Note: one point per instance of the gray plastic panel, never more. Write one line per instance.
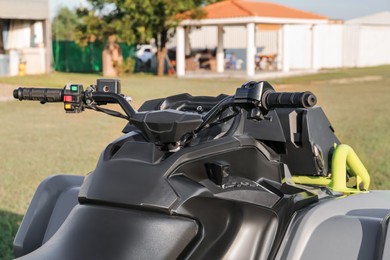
(386, 249)
(65, 203)
(343, 237)
(43, 208)
(383, 251)
(342, 228)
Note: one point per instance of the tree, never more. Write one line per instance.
(137, 21)
(64, 25)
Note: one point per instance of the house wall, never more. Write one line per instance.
(297, 45)
(351, 34)
(374, 46)
(35, 60)
(4, 68)
(28, 36)
(362, 46)
(351, 45)
(24, 9)
(234, 38)
(204, 38)
(268, 41)
(328, 46)
(335, 46)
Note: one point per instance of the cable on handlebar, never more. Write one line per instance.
(215, 111)
(107, 111)
(107, 97)
(258, 98)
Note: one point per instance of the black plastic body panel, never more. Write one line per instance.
(245, 162)
(183, 102)
(268, 129)
(98, 232)
(166, 126)
(231, 229)
(131, 182)
(179, 185)
(304, 128)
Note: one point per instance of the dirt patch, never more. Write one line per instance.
(354, 80)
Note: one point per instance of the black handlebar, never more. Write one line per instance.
(288, 100)
(269, 100)
(77, 98)
(114, 98)
(39, 94)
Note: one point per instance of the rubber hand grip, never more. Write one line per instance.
(39, 94)
(289, 100)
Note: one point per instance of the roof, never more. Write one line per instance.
(241, 8)
(382, 18)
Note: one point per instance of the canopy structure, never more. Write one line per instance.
(249, 14)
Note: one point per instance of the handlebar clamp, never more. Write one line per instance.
(73, 98)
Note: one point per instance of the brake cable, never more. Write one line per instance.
(226, 118)
(107, 111)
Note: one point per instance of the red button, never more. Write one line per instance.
(67, 98)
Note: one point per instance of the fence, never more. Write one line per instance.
(69, 57)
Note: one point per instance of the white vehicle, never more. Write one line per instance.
(145, 52)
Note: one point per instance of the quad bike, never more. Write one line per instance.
(256, 175)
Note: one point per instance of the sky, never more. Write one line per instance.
(56, 4)
(338, 9)
(334, 9)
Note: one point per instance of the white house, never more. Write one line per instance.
(377, 19)
(367, 40)
(24, 36)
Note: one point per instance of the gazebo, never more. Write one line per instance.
(249, 14)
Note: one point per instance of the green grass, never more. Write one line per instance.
(40, 140)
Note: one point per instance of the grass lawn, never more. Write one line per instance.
(40, 140)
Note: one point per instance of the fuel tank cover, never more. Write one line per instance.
(166, 126)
